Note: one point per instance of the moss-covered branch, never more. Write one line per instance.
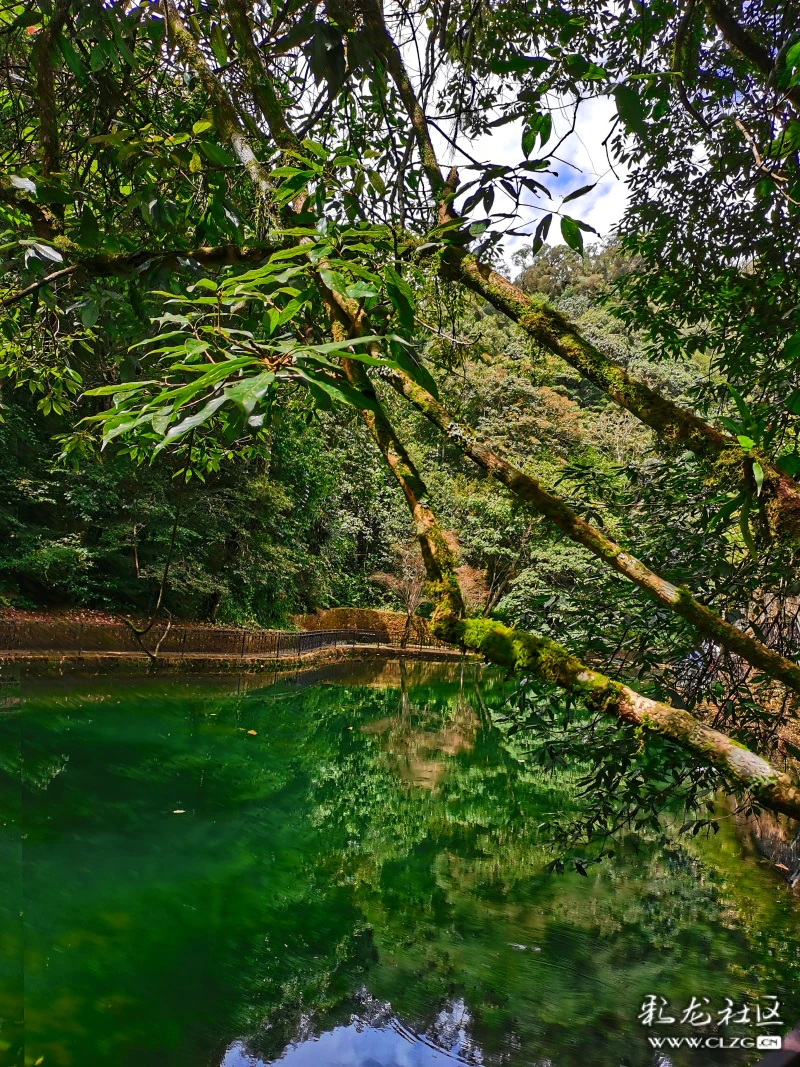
(227, 121)
(346, 321)
(550, 328)
(528, 489)
(674, 424)
(438, 557)
(42, 60)
(526, 653)
(258, 79)
(370, 14)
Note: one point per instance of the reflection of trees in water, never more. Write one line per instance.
(310, 865)
(448, 1033)
(415, 736)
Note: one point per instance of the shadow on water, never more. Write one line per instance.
(344, 867)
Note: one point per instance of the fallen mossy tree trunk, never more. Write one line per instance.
(528, 489)
(523, 652)
(677, 427)
(437, 556)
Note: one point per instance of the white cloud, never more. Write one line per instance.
(582, 161)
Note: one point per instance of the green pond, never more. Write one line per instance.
(345, 869)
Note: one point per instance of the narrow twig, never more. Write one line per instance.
(34, 286)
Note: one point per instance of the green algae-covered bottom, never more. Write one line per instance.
(346, 869)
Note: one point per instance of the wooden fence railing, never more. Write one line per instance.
(73, 637)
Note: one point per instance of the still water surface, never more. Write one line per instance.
(345, 870)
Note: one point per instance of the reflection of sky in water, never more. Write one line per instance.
(384, 1042)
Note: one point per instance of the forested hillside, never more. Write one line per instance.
(259, 337)
(308, 523)
(300, 527)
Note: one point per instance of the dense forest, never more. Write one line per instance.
(260, 338)
(314, 521)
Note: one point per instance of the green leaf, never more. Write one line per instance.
(340, 391)
(125, 52)
(519, 64)
(744, 526)
(477, 228)
(226, 369)
(789, 463)
(377, 183)
(758, 474)
(629, 109)
(343, 346)
(219, 45)
(121, 387)
(731, 426)
(289, 189)
(416, 370)
(50, 191)
(27, 18)
(333, 280)
(72, 59)
(321, 399)
(216, 154)
(361, 291)
(202, 125)
(726, 511)
(542, 230)
(291, 309)
(741, 406)
(90, 231)
(289, 253)
(193, 421)
(194, 347)
(791, 350)
(584, 189)
(746, 442)
(89, 313)
(787, 141)
(401, 296)
(123, 425)
(97, 58)
(246, 394)
(571, 232)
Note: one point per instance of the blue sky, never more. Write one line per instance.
(584, 161)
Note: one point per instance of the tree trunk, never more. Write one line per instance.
(524, 652)
(525, 487)
(673, 424)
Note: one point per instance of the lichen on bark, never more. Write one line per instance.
(522, 652)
